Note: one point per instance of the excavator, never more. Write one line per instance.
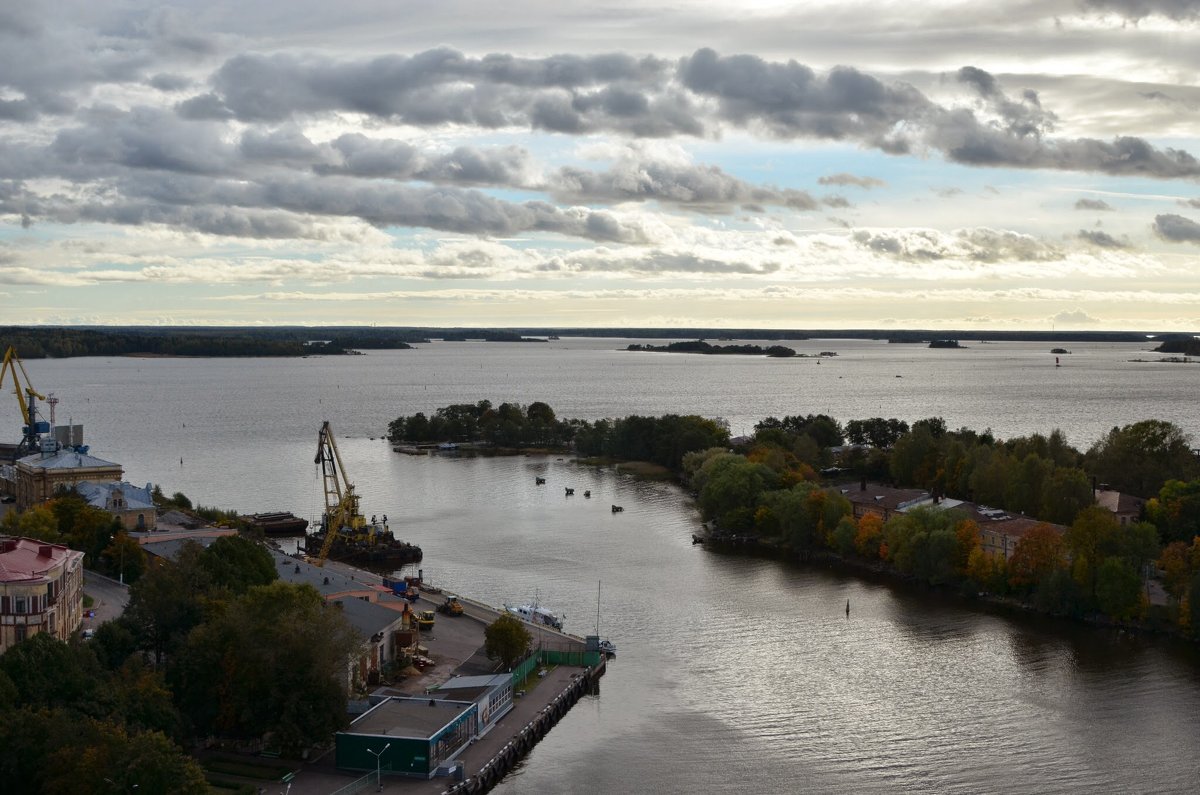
(27, 396)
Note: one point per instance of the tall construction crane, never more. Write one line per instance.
(342, 516)
(27, 396)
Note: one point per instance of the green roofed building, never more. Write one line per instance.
(419, 735)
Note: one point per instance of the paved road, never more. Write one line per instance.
(110, 598)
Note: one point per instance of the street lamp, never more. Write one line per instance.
(378, 755)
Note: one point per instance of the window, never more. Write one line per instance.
(20, 605)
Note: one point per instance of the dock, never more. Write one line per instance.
(456, 646)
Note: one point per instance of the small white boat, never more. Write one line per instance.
(608, 648)
(536, 615)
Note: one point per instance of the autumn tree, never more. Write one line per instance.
(1038, 554)
(869, 535)
(1179, 561)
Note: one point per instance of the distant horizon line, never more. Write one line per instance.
(737, 332)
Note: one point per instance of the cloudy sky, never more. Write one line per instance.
(1029, 164)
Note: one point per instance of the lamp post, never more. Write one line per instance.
(378, 755)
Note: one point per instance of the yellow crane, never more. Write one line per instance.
(342, 516)
(27, 397)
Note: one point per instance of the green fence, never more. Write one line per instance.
(569, 656)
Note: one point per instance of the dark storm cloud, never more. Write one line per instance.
(1093, 204)
(1102, 239)
(1139, 9)
(851, 180)
(1176, 228)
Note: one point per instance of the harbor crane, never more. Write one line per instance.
(342, 516)
(27, 396)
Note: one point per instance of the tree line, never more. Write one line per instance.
(662, 440)
(60, 343)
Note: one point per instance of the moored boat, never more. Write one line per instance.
(536, 615)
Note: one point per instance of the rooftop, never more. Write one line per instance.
(366, 617)
(408, 717)
(66, 458)
(28, 560)
(326, 580)
(98, 493)
(1117, 502)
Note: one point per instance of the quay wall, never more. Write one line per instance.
(506, 758)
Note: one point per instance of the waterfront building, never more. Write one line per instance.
(492, 694)
(40, 475)
(41, 590)
(132, 505)
(410, 737)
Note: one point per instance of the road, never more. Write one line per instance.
(110, 599)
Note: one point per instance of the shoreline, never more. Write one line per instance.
(879, 572)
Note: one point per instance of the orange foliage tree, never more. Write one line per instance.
(869, 535)
(1038, 554)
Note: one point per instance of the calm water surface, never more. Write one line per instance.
(734, 674)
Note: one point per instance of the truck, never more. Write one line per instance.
(402, 588)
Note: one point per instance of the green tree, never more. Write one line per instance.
(732, 487)
(1118, 588)
(273, 663)
(124, 558)
(38, 522)
(507, 640)
(915, 457)
(238, 563)
(1176, 510)
(168, 601)
(1140, 458)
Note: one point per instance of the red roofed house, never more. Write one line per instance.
(41, 590)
